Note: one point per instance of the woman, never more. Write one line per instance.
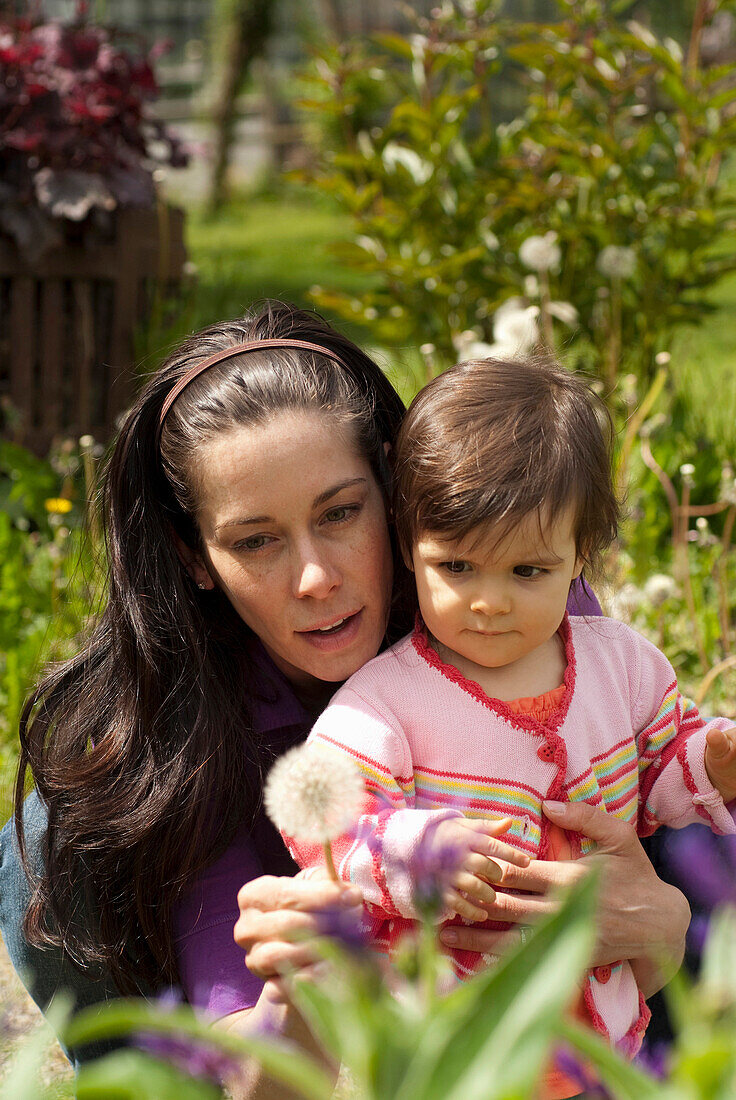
(251, 570)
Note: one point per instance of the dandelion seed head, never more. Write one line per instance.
(615, 262)
(659, 588)
(314, 793)
(541, 253)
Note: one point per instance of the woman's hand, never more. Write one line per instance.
(279, 917)
(640, 918)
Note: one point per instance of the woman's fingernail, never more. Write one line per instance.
(448, 936)
(554, 807)
(352, 897)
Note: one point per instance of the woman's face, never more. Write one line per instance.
(294, 532)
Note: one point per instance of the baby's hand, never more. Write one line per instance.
(720, 761)
(467, 887)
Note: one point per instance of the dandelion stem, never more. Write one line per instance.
(544, 300)
(721, 571)
(683, 557)
(427, 960)
(636, 421)
(329, 861)
(614, 336)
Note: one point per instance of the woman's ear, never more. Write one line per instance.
(192, 562)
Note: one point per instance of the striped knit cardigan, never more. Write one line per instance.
(432, 744)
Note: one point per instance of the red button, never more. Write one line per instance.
(546, 752)
(602, 974)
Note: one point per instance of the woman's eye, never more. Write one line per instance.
(455, 567)
(340, 513)
(527, 571)
(253, 542)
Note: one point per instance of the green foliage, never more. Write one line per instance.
(488, 1039)
(619, 144)
(47, 586)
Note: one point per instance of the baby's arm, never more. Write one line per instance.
(397, 846)
(675, 748)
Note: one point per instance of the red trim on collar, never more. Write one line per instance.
(421, 644)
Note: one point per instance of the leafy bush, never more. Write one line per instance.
(606, 193)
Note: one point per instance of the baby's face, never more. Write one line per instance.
(493, 603)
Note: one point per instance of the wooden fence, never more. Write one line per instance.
(67, 326)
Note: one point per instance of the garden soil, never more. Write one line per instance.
(19, 1018)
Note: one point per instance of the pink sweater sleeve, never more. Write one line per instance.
(378, 856)
(674, 788)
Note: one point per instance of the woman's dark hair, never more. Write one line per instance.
(142, 747)
(491, 441)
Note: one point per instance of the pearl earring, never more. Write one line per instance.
(201, 584)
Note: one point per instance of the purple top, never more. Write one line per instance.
(211, 967)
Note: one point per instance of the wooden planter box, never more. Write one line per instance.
(67, 360)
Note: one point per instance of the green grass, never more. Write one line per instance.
(259, 246)
(266, 248)
(704, 372)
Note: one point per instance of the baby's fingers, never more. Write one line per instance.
(482, 867)
(721, 744)
(454, 902)
(475, 888)
(485, 843)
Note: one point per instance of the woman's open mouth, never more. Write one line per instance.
(334, 634)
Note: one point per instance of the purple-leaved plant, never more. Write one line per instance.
(76, 135)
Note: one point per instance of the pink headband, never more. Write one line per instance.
(227, 353)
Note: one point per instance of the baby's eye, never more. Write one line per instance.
(528, 571)
(455, 567)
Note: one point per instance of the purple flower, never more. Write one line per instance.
(345, 926)
(569, 1064)
(653, 1059)
(697, 934)
(191, 1056)
(430, 868)
(195, 1057)
(703, 864)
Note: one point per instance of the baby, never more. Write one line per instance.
(499, 700)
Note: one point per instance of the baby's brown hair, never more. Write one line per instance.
(491, 441)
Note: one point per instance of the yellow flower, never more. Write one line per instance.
(59, 505)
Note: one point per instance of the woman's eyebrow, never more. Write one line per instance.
(321, 498)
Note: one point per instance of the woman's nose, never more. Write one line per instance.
(316, 575)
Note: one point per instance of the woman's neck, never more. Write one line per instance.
(314, 695)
